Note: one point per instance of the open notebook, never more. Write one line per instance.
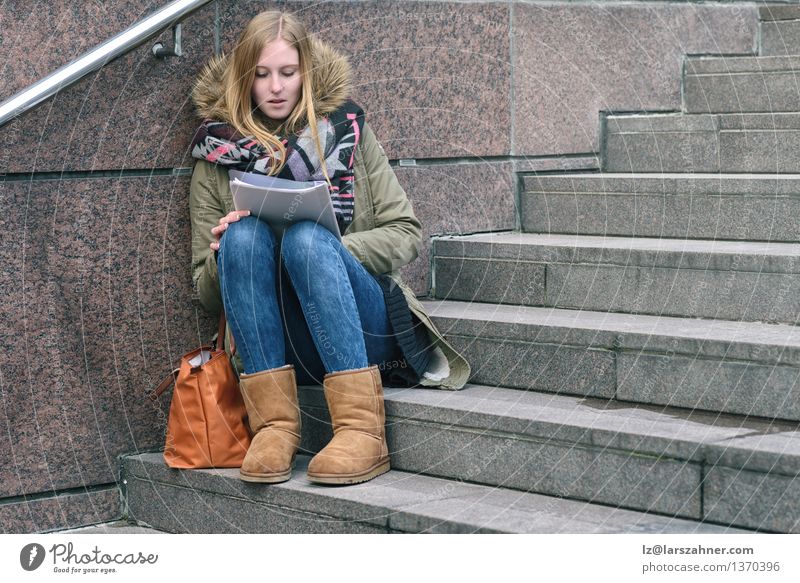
(281, 202)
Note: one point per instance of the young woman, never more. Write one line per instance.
(307, 306)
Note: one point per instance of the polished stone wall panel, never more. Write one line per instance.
(433, 77)
(456, 199)
(573, 61)
(133, 113)
(449, 96)
(39, 36)
(61, 511)
(102, 296)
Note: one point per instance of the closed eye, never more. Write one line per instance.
(261, 74)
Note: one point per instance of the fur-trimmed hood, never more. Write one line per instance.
(330, 69)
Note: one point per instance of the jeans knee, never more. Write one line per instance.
(245, 238)
(302, 241)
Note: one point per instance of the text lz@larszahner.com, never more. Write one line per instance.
(66, 556)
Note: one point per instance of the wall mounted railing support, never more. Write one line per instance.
(161, 52)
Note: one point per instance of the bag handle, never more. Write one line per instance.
(172, 377)
(221, 335)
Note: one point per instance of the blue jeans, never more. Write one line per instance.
(304, 300)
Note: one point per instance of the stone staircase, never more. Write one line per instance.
(635, 348)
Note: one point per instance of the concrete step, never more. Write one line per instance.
(724, 366)
(741, 85)
(702, 143)
(216, 501)
(720, 469)
(747, 207)
(780, 29)
(731, 280)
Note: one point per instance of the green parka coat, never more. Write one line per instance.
(384, 235)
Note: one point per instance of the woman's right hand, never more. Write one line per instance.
(220, 229)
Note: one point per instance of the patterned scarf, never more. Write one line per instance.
(339, 134)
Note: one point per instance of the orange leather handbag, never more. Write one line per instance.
(207, 426)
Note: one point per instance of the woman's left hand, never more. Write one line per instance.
(219, 230)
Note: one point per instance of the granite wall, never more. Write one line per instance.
(95, 253)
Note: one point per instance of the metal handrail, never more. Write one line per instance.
(96, 58)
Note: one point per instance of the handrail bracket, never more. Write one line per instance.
(161, 52)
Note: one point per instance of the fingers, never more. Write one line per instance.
(236, 215)
(220, 229)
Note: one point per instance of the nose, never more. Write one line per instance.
(275, 84)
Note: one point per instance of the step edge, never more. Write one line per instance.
(468, 307)
(635, 515)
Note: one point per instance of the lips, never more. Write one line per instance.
(276, 101)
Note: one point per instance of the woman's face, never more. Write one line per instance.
(278, 83)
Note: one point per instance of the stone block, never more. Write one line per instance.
(316, 423)
(754, 122)
(697, 186)
(727, 280)
(753, 500)
(703, 143)
(564, 470)
(772, 344)
(538, 366)
(641, 214)
(760, 446)
(780, 29)
(760, 150)
(731, 85)
(60, 511)
(370, 503)
(493, 280)
(735, 256)
(778, 12)
(566, 164)
(745, 388)
(662, 144)
(397, 501)
(178, 510)
(502, 510)
(757, 445)
(728, 206)
(780, 37)
(728, 295)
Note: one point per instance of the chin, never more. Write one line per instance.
(274, 116)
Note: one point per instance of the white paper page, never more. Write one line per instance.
(282, 202)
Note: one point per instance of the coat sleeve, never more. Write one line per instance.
(396, 237)
(205, 210)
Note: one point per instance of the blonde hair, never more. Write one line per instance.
(263, 29)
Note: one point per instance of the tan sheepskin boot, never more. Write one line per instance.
(270, 397)
(358, 450)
